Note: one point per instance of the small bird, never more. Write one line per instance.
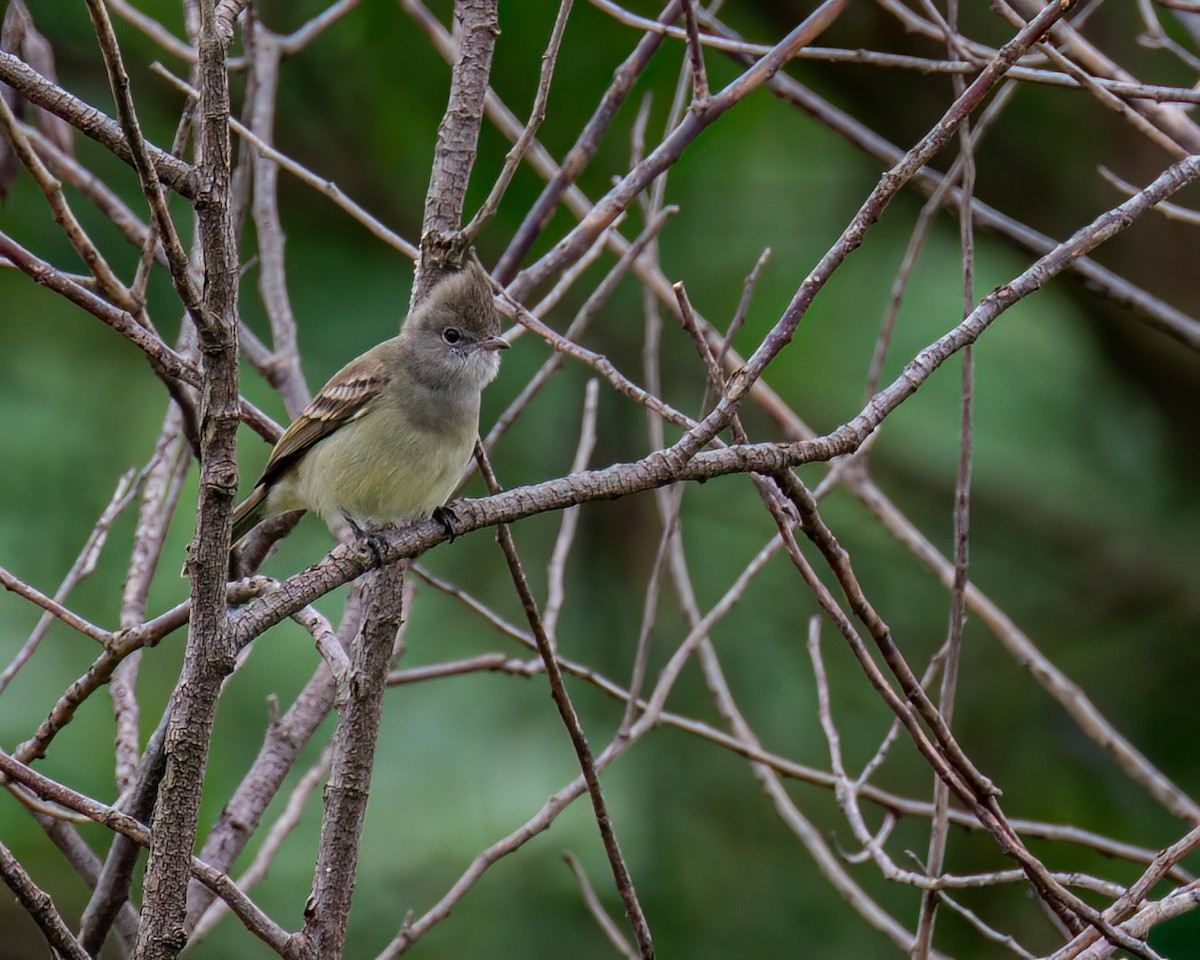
(388, 436)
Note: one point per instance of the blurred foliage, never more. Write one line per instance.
(1084, 520)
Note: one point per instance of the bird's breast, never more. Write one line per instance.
(387, 466)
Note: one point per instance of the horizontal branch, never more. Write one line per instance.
(349, 560)
(1130, 90)
(175, 173)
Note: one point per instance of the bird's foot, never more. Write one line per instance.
(376, 542)
(448, 519)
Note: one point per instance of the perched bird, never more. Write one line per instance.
(388, 436)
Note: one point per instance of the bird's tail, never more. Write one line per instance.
(248, 513)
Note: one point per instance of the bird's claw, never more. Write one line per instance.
(376, 542)
(448, 519)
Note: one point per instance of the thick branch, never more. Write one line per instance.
(349, 786)
(210, 657)
(458, 135)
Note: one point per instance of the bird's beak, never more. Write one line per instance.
(493, 343)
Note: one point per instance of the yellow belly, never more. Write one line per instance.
(376, 470)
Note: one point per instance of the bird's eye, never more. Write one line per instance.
(451, 335)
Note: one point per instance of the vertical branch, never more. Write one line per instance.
(164, 482)
(457, 139)
(695, 58)
(210, 656)
(940, 825)
(562, 700)
(346, 793)
(281, 746)
(272, 284)
(328, 908)
(556, 591)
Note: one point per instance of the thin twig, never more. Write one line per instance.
(695, 58)
(890, 802)
(1171, 211)
(107, 281)
(940, 824)
(670, 149)
(255, 920)
(556, 568)
(1152, 310)
(304, 175)
(566, 709)
(53, 607)
(559, 181)
(283, 825)
(537, 114)
(40, 907)
(177, 259)
(596, 909)
(84, 565)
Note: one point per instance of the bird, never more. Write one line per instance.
(387, 438)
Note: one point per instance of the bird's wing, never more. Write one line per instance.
(344, 398)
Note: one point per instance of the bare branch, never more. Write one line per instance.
(667, 152)
(566, 709)
(514, 157)
(118, 80)
(354, 741)
(1169, 210)
(210, 656)
(91, 122)
(284, 824)
(84, 565)
(306, 176)
(39, 906)
(53, 607)
(596, 909)
(255, 920)
(240, 227)
(581, 153)
(153, 29)
(458, 135)
(556, 570)
(1171, 321)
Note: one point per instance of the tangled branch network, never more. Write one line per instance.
(567, 235)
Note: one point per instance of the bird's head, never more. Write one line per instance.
(455, 333)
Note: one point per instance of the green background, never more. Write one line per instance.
(1084, 515)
